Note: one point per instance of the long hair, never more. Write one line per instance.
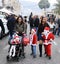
(21, 19)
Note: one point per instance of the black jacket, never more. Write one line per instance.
(11, 24)
(41, 27)
(36, 22)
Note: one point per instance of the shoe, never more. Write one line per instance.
(31, 54)
(34, 56)
(40, 55)
(49, 57)
(46, 55)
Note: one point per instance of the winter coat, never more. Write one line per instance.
(11, 24)
(21, 28)
(41, 27)
(36, 22)
(48, 38)
(33, 39)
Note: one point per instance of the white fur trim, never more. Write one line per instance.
(34, 44)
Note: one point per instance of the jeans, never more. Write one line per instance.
(58, 31)
(36, 29)
(33, 48)
(11, 34)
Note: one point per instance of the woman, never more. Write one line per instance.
(41, 27)
(20, 29)
(52, 25)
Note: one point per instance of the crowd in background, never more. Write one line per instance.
(51, 19)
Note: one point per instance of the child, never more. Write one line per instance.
(48, 39)
(14, 42)
(33, 42)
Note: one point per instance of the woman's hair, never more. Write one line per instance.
(42, 19)
(21, 19)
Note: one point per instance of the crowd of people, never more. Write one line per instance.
(42, 30)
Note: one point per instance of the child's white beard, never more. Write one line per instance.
(45, 33)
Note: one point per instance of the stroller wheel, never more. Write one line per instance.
(7, 58)
(23, 55)
(17, 59)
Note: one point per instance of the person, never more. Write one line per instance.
(25, 18)
(36, 22)
(52, 25)
(58, 22)
(48, 38)
(33, 42)
(11, 25)
(31, 21)
(14, 42)
(41, 27)
(20, 29)
(30, 16)
(2, 27)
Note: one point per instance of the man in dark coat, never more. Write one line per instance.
(11, 24)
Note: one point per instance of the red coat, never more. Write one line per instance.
(34, 39)
(48, 38)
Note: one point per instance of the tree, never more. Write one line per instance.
(57, 9)
(43, 4)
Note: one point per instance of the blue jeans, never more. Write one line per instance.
(11, 36)
(33, 48)
(36, 29)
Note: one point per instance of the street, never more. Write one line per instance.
(29, 59)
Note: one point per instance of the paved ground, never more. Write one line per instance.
(29, 59)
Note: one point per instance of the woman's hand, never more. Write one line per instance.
(17, 32)
(42, 33)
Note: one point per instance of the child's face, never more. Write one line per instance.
(32, 32)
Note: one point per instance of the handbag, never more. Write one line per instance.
(25, 41)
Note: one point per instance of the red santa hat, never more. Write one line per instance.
(34, 30)
(46, 29)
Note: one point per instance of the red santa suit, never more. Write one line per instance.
(48, 38)
(33, 38)
(15, 41)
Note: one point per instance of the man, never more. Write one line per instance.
(11, 24)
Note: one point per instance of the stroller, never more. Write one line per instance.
(15, 47)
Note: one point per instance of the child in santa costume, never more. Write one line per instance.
(48, 38)
(33, 42)
(14, 41)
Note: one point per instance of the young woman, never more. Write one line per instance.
(20, 29)
(41, 27)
